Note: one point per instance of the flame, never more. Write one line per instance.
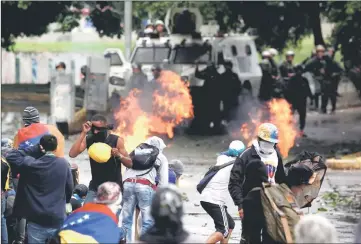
(280, 115)
(172, 104)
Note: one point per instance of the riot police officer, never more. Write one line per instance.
(230, 91)
(138, 79)
(297, 89)
(267, 82)
(324, 71)
(211, 98)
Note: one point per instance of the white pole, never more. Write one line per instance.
(128, 27)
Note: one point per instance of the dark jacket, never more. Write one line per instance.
(242, 181)
(45, 186)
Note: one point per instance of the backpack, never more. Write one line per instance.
(144, 156)
(210, 174)
(305, 175)
(280, 210)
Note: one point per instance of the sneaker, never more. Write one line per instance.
(302, 134)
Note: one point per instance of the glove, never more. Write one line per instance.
(68, 208)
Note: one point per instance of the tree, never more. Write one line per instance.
(31, 18)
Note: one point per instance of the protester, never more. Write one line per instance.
(315, 229)
(94, 222)
(167, 212)
(6, 145)
(258, 163)
(139, 187)
(33, 130)
(79, 194)
(45, 186)
(215, 194)
(97, 131)
(176, 166)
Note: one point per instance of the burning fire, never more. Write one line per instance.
(172, 104)
(281, 116)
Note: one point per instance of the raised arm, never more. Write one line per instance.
(80, 144)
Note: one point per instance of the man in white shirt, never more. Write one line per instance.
(139, 188)
(215, 194)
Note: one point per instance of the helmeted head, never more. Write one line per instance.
(290, 55)
(60, 66)
(159, 26)
(167, 206)
(266, 54)
(273, 52)
(30, 116)
(156, 142)
(228, 65)
(320, 51)
(267, 137)
(235, 149)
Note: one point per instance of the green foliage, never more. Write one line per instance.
(28, 18)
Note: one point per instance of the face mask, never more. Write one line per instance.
(101, 134)
(266, 147)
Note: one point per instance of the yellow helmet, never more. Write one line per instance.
(100, 152)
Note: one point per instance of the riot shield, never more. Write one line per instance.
(62, 97)
(96, 84)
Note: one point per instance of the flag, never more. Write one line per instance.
(92, 223)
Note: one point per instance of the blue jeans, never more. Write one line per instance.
(4, 230)
(38, 233)
(135, 193)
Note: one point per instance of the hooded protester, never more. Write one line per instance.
(94, 222)
(259, 163)
(79, 194)
(167, 212)
(101, 144)
(215, 194)
(139, 188)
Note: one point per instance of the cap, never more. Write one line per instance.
(177, 166)
(31, 115)
(237, 145)
(108, 193)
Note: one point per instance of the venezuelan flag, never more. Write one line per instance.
(31, 135)
(92, 223)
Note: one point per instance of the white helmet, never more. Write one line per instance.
(159, 22)
(273, 52)
(266, 54)
(290, 53)
(320, 48)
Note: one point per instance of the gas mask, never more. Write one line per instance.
(266, 147)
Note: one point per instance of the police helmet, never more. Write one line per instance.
(320, 48)
(266, 54)
(156, 67)
(159, 22)
(167, 205)
(290, 53)
(273, 52)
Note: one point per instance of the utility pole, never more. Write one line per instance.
(128, 27)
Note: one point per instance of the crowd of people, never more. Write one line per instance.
(43, 203)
